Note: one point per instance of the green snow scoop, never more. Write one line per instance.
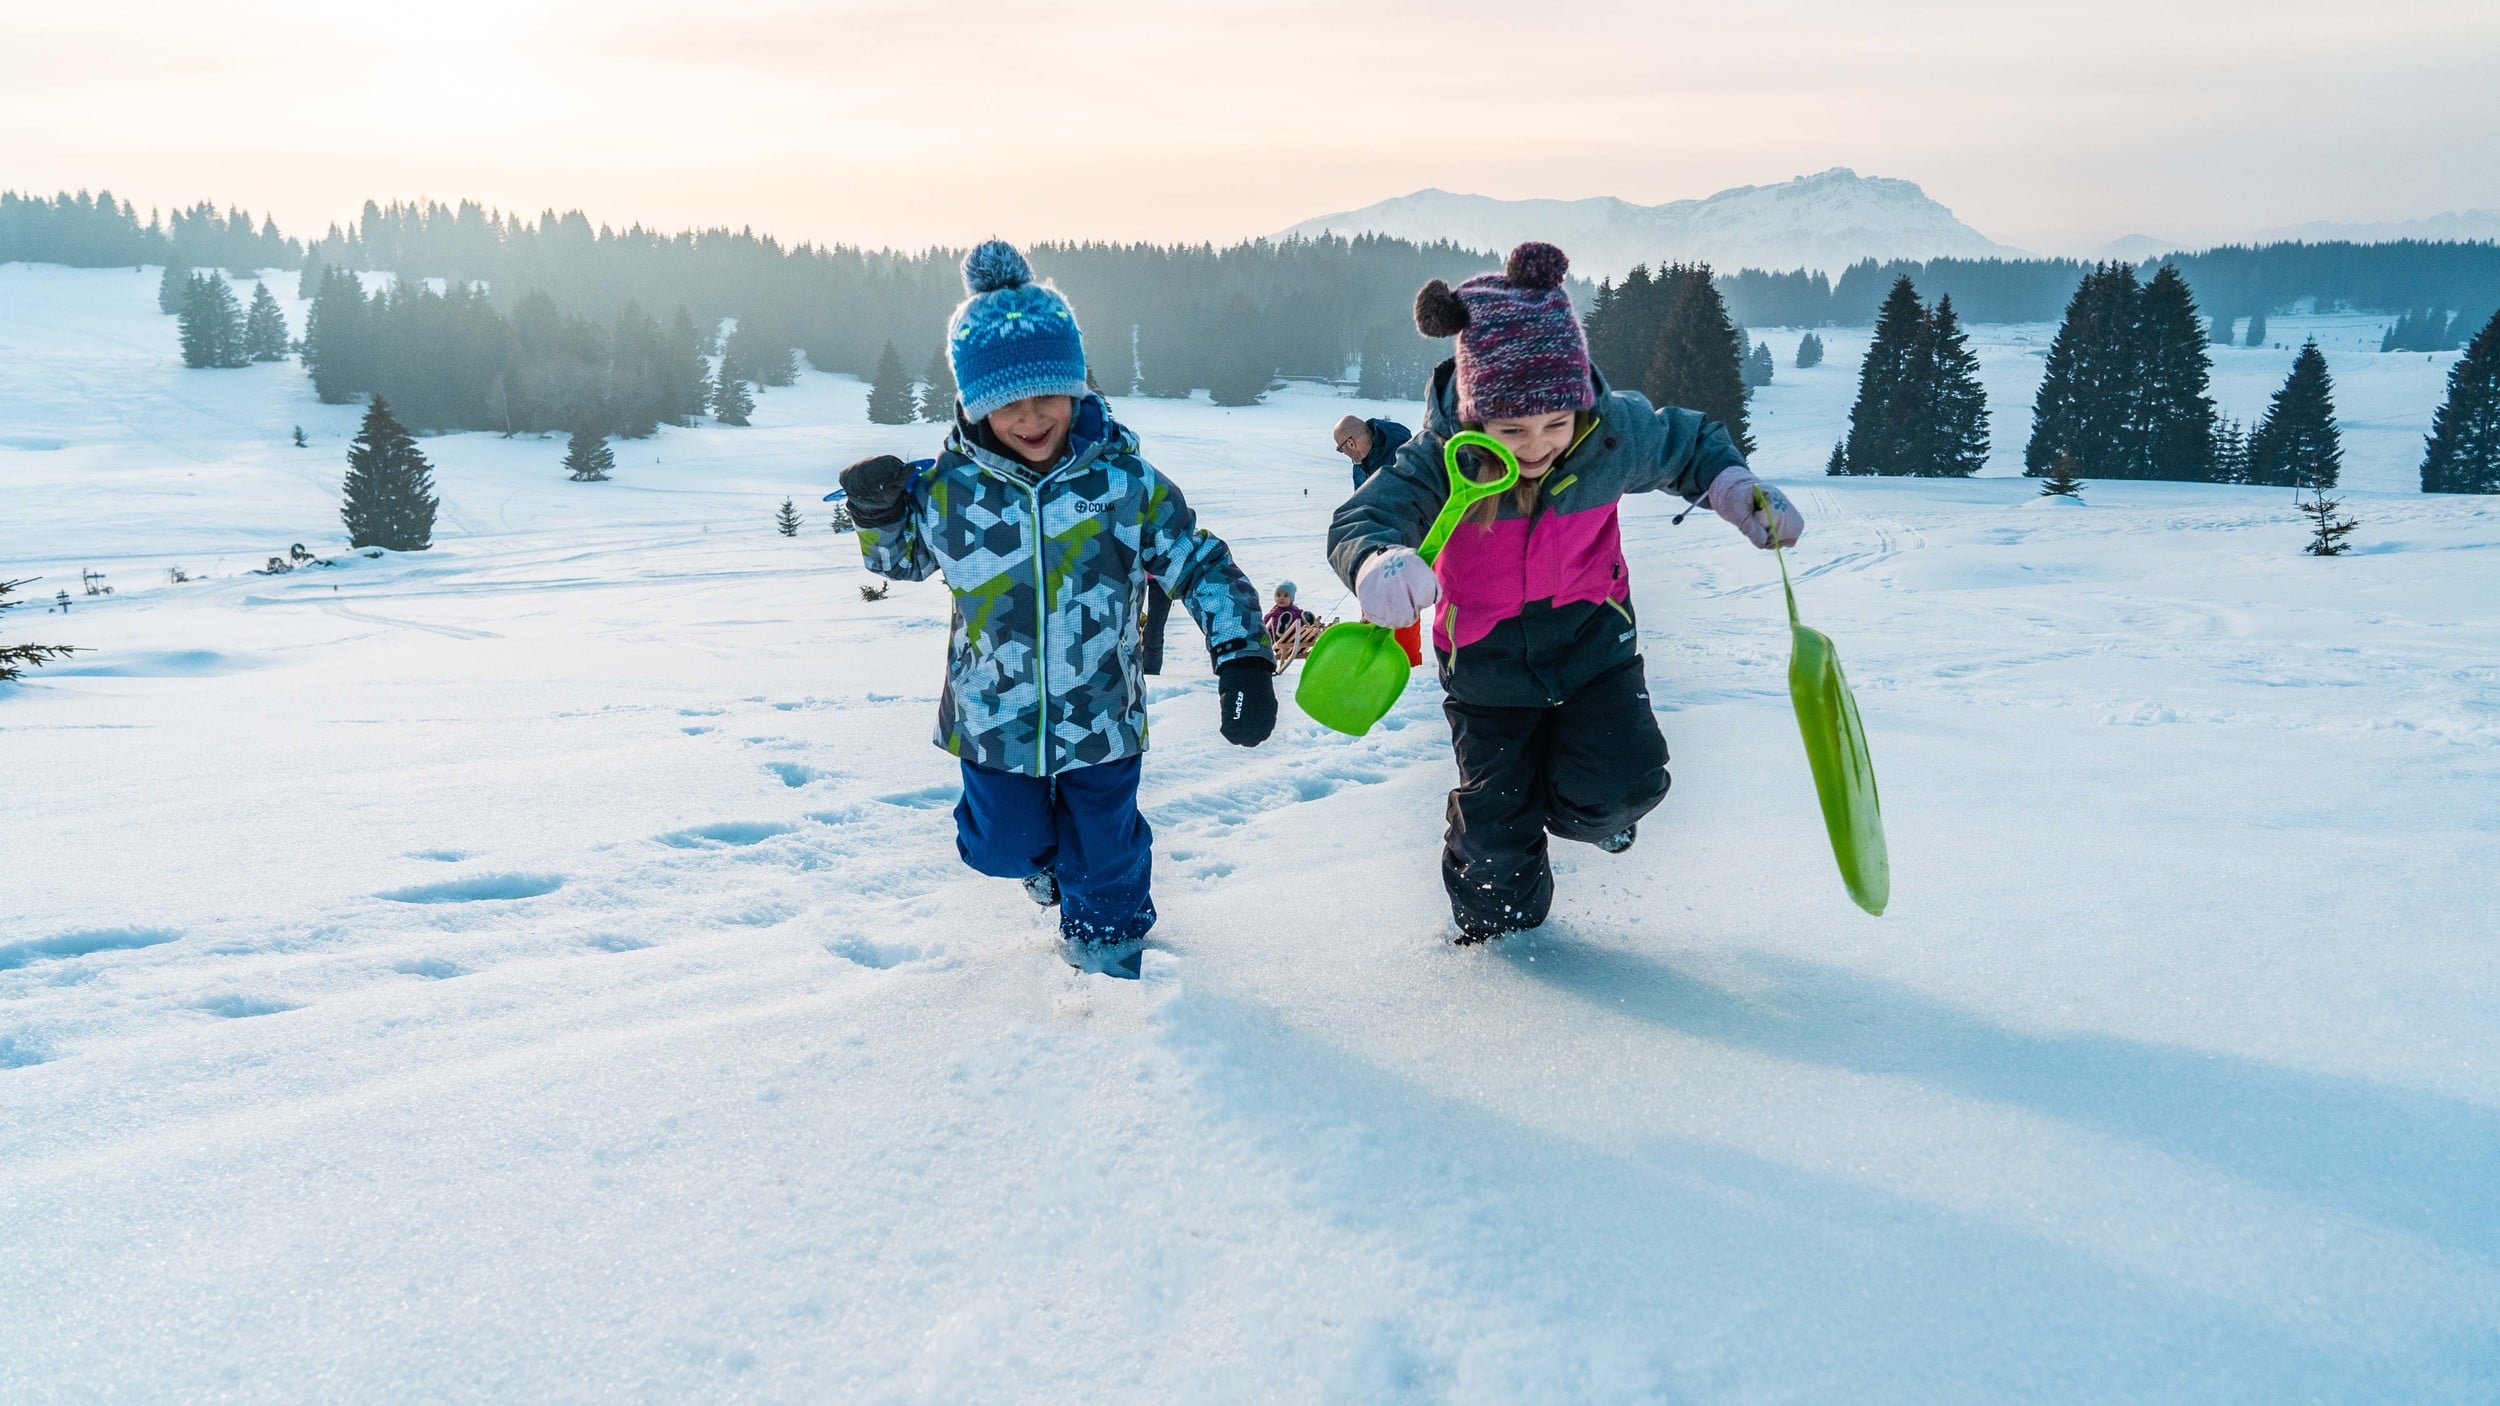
(1844, 775)
(1356, 670)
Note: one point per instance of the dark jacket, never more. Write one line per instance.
(1536, 601)
(1388, 436)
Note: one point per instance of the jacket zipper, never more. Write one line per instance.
(1041, 631)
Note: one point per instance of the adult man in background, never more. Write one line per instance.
(1371, 444)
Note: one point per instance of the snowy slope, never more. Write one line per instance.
(1828, 221)
(538, 969)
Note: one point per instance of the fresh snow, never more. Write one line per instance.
(538, 968)
(1827, 221)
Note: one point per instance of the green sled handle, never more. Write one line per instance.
(1355, 671)
(1844, 772)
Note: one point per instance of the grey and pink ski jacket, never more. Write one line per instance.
(1537, 600)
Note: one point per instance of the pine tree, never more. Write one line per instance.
(1957, 438)
(787, 519)
(389, 495)
(264, 327)
(16, 659)
(2230, 452)
(308, 282)
(1694, 362)
(2462, 454)
(2327, 528)
(1838, 464)
(173, 286)
(211, 324)
(2218, 331)
(2084, 408)
(1240, 365)
(587, 458)
(1809, 351)
(1889, 386)
(937, 389)
(2061, 481)
(338, 338)
(2297, 444)
(687, 388)
(842, 518)
(2256, 335)
(889, 394)
(730, 402)
(300, 441)
(2172, 429)
(1757, 370)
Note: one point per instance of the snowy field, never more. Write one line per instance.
(538, 969)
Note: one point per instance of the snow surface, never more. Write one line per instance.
(1827, 221)
(537, 969)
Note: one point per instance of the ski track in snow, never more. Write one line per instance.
(539, 969)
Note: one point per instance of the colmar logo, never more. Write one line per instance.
(1084, 507)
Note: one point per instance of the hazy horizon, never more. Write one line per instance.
(2055, 129)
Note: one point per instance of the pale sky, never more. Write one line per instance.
(2053, 126)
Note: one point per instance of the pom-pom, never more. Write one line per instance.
(1438, 311)
(1537, 264)
(995, 265)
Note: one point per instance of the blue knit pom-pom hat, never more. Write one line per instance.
(1013, 337)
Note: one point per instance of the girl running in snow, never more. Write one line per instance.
(1531, 603)
(1047, 523)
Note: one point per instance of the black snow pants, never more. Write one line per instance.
(1582, 769)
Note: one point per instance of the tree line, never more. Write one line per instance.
(2458, 279)
(98, 231)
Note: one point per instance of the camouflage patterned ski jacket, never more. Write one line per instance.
(1048, 571)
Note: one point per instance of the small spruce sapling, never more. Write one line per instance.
(787, 520)
(842, 518)
(875, 590)
(2061, 481)
(2327, 528)
(1809, 351)
(15, 659)
(300, 441)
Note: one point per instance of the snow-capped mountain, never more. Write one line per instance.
(1827, 221)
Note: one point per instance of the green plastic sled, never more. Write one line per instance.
(1355, 671)
(1844, 772)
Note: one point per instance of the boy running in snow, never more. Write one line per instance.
(1531, 602)
(1047, 523)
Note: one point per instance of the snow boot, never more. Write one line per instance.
(1620, 840)
(1043, 888)
(1123, 960)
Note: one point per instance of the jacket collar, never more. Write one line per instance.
(1092, 433)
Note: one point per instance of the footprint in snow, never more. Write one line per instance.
(477, 888)
(727, 832)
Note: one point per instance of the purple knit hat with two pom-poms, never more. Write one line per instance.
(1520, 349)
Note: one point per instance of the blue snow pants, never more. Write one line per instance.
(1081, 825)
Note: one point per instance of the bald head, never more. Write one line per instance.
(1354, 438)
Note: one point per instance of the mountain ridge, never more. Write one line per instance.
(1827, 220)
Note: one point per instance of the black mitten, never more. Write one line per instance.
(875, 488)
(1247, 688)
